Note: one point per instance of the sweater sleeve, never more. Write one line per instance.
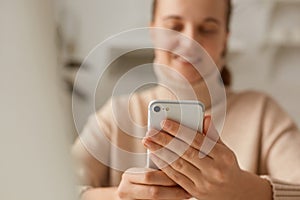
(280, 152)
(282, 190)
(91, 151)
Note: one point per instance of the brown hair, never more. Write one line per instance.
(225, 73)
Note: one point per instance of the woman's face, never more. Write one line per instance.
(201, 20)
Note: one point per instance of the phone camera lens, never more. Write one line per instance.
(157, 109)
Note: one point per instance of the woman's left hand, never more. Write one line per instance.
(214, 176)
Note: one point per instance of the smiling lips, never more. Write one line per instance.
(187, 60)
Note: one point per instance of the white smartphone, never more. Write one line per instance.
(187, 113)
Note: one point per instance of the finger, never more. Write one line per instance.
(206, 166)
(168, 156)
(176, 176)
(164, 138)
(179, 146)
(213, 148)
(208, 170)
(188, 168)
(193, 138)
(148, 177)
(158, 192)
(180, 131)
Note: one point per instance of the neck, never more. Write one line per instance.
(207, 90)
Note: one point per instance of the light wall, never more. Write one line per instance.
(34, 147)
(96, 20)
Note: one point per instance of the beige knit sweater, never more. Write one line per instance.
(263, 137)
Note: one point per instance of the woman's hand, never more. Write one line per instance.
(214, 176)
(149, 184)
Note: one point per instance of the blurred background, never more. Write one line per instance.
(263, 53)
(43, 44)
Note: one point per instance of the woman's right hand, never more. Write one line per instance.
(141, 183)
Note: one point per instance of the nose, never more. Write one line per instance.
(190, 32)
(191, 38)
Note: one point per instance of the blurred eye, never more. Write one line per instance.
(208, 29)
(176, 26)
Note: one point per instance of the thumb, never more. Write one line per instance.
(210, 131)
(211, 137)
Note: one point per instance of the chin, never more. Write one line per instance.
(188, 72)
(192, 76)
(194, 79)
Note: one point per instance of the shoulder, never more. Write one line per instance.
(249, 100)
(248, 96)
(253, 104)
(128, 106)
(258, 105)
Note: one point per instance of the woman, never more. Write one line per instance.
(257, 156)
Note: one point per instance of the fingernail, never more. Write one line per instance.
(166, 124)
(147, 143)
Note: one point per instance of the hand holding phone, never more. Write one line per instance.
(187, 113)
